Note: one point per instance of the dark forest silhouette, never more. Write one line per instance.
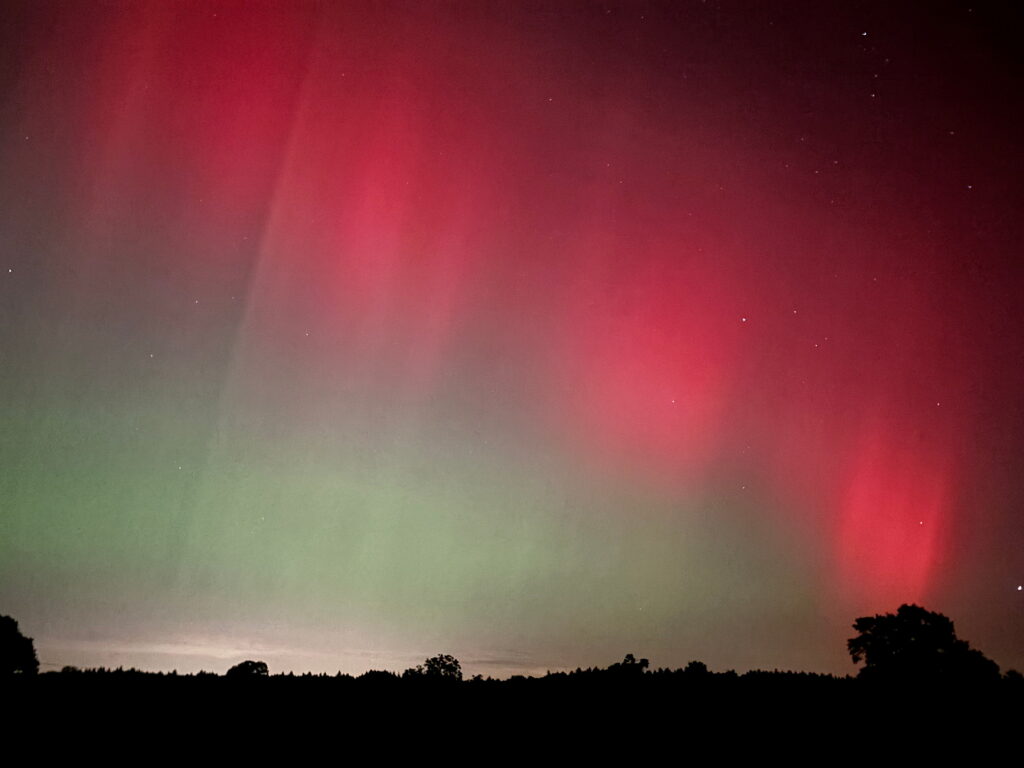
(913, 647)
(916, 678)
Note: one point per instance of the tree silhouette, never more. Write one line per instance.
(249, 669)
(629, 666)
(441, 667)
(17, 653)
(916, 645)
(696, 670)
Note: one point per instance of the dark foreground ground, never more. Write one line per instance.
(829, 720)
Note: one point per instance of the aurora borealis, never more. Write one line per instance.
(343, 334)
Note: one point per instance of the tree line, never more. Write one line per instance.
(912, 646)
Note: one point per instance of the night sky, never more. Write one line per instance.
(338, 335)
